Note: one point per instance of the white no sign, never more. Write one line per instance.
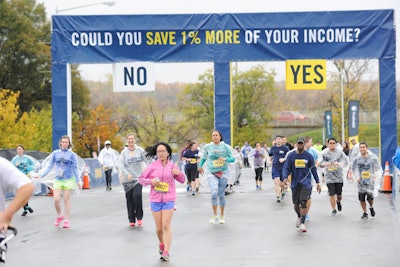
(133, 77)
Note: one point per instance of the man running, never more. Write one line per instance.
(300, 164)
(366, 169)
(334, 161)
(277, 156)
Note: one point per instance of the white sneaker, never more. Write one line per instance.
(303, 228)
(222, 220)
(214, 219)
(298, 222)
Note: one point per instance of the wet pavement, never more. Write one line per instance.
(258, 231)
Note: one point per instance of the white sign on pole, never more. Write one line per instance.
(133, 77)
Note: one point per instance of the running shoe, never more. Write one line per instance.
(188, 188)
(256, 187)
(372, 212)
(29, 209)
(214, 219)
(284, 190)
(139, 222)
(278, 200)
(66, 224)
(308, 217)
(339, 206)
(58, 220)
(131, 224)
(164, 256)
(24, 213)
(161, 249)
(334, 212)
(193, 193)
(298, 222)
(302, 228)
(364, 216)
(222, 220)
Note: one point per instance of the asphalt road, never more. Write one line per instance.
(258, 232)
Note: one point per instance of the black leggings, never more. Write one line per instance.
(259, 172)
(108, 174)
(134, 203)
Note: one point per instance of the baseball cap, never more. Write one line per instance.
(300, 140)
(108, 142)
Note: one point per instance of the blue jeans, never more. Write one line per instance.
(217, 187)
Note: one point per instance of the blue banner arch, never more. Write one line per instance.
(222, 38)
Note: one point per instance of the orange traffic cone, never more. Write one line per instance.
(86, 184)
(387, 181)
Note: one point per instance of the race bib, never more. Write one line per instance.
(162, 187)
(365, 175)
(193, 161)
(332, 168)
(218, 163)
(299, 163)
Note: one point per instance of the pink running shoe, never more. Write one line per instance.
(139, 222)
(161, 248)
(164, 256)
(131, 224)
(66, 224)
(58, 220)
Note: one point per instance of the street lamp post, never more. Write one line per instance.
(342, 96)
(108, 3)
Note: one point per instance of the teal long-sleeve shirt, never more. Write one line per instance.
(211, 154)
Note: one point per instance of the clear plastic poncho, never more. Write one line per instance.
(367, 172)
(49, 178)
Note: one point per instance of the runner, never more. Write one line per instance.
(367, 170)
(277, 156)
(300, 164)
(334, 161)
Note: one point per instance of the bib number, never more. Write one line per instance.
(365, 175)
(162, 187)
(299, 163)
(218, 163)
(332, 168)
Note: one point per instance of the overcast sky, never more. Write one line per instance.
(190, 74)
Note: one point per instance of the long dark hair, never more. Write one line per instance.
(151, 152)
(220, 134)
